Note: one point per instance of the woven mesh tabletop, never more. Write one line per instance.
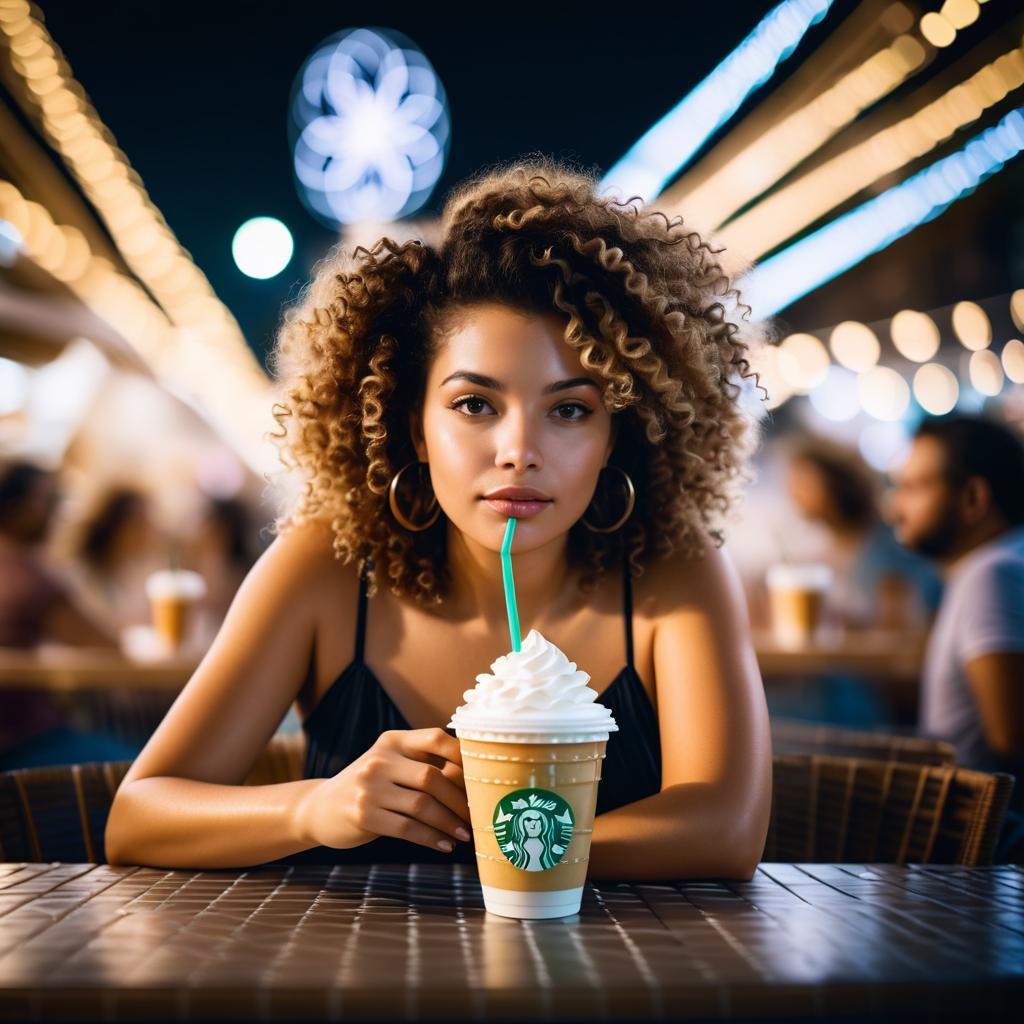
(407, 942)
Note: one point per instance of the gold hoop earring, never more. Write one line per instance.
(397, 513)
(630, 502)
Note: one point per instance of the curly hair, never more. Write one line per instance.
(643, 301)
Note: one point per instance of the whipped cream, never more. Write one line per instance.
(534, 693)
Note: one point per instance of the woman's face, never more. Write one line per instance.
(808, 490)
(507, 404)
(532, 826)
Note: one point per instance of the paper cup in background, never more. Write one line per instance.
(796, 597)
(173, 595)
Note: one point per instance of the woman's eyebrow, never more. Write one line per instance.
(495, 385)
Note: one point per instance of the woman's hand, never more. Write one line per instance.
(408, 785)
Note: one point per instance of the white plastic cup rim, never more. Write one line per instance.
(175, 583)
(807, 576)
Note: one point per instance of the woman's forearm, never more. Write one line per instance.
(685, 831)
(172, 822)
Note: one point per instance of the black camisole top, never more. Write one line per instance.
(356, 710)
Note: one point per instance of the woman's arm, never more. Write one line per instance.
(711, 817)
(182, 803)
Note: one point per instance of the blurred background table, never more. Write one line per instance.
(872, 653)
(70, 669)
(388, 942)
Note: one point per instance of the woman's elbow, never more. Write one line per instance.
(117, 845)
(742, 868)
(744, 839)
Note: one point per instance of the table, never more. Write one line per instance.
(400, 942)
(885, 655)
(56, 669)
(880, 654)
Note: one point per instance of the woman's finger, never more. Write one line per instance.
(384, 822)
(417, 777)
(433, 742)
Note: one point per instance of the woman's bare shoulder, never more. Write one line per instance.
(708, 579)
(305, 552)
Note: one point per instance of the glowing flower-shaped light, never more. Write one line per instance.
(369, 127)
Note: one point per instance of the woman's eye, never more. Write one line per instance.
(583, 411)
(470, 403)
(473, 406)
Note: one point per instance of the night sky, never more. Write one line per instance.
(197, 94)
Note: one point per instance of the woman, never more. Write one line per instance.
(554, 345)
(879, 583)
(117, 546)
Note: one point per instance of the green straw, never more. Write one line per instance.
(510, 587)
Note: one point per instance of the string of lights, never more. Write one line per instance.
(180, 327)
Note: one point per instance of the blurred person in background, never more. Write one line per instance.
(878, 583)
(116, 547)
(36, 607)
(959, 500)
(222, 550)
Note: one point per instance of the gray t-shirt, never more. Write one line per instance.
(982, 612)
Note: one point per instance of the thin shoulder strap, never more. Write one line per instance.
(627, 607)
(361, 618)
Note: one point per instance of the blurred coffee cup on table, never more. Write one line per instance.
(796, 597)
(173, 597)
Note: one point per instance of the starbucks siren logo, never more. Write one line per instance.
(533, 828)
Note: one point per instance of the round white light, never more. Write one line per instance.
(803, 362)
(936, 388)
(1013, 360)
(883, 393)
(986, 372)
(262, 247)
(915, 335)
(854, 345)
(972, 326)
(1017, 308)
(835, 397)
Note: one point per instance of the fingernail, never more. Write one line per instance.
(446, 845)
(462, 834)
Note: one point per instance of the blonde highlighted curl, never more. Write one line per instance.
(643, 300)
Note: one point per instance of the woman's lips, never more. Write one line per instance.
(516, 509)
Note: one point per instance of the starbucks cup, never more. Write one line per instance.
(796, 596)
(532, 741)
(173, 593)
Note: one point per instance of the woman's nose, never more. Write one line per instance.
(517, 444)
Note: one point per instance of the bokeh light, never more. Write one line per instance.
(936, 388)
(915, 335)
(262, 247)
(1017, 308)
(855, 345)
(960, 13)
(937, 30)
(369, 127)
(971, 325)
(986, 372)
(883, 393)
(1013, 360)
(803, 362)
